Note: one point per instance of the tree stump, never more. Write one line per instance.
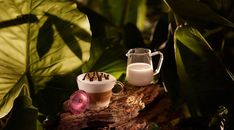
(122, 113)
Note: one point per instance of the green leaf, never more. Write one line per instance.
(169, 72)
(34, 46)
(197, 12)
(160, 34)
(7, 100)
(133, 37)
(107, 56)
(23, 111)
(204, 79)
(121, 12)
(223, 7)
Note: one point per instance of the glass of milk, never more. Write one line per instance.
(140, 70)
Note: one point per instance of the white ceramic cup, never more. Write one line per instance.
(98, 85)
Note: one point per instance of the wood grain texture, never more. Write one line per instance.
(124, 111)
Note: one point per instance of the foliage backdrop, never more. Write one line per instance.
(52, 42)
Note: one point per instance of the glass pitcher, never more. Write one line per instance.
(140, 68)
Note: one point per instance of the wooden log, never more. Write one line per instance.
(121, 114)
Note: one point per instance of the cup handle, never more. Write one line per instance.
(157, 70)
(121, 87)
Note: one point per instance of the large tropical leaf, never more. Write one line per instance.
(197, 13)
(38, 40)
(120, 12)
(205, 81)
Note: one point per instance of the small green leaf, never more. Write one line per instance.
(22, 112)
(7, 100)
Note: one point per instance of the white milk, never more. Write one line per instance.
(139, 74)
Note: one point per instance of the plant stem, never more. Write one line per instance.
(124, 13)
(27, 62)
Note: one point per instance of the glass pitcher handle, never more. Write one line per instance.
(157, 70)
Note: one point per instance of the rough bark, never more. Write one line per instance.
(122, 113)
